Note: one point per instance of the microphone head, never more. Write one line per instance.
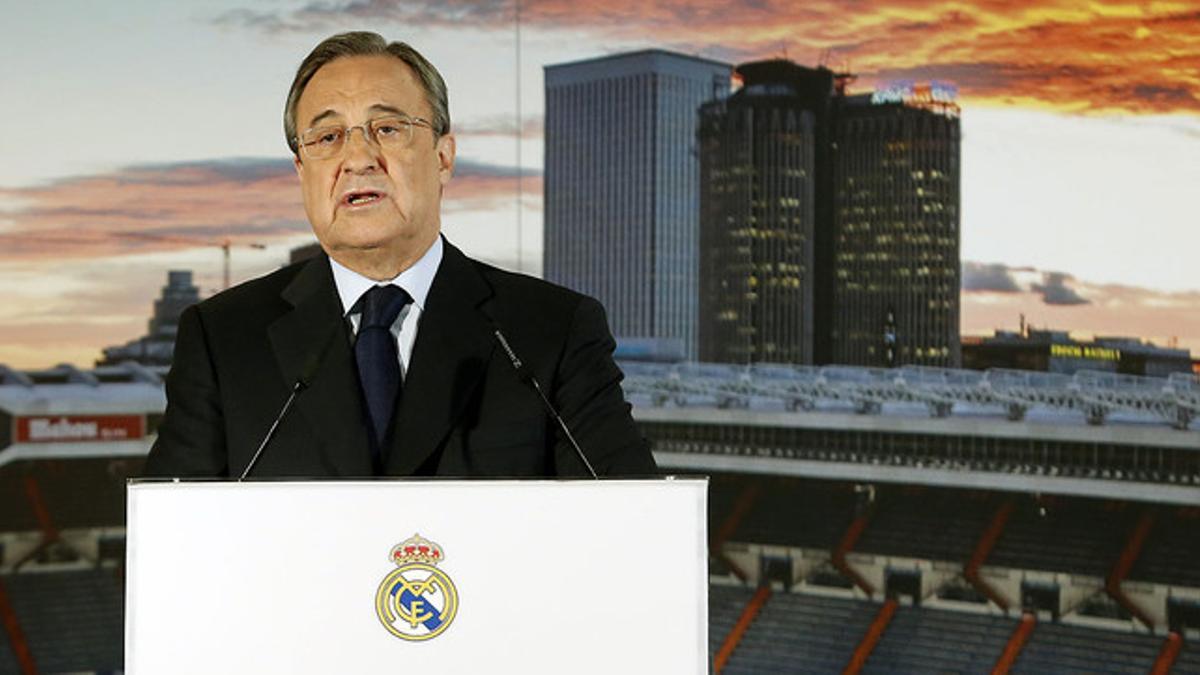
(508, 350)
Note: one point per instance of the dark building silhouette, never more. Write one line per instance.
(894, 266)
(1055, 351)
(761, 153)
(158, 345)
(828, 223)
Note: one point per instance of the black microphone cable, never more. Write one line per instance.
(527, 377)
(302, 382)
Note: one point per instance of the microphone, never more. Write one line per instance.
(527, 377)
(306, 376)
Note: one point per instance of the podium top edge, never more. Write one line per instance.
(457, 482)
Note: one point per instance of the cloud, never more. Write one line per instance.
(83, 258)
(994, 277)
(501, 125)
(1094, 57)
(174, 206)
(1165, 318)
(1055, 291)
(317, 16)
(1054, 288)
(479, 186)
(468, 169)
(154, 207)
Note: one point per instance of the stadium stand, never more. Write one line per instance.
(84, 492)
(1079, 536)
(802, 633)
(938, 641)
(796, 457)
(1073, 535)
(798, 633)
(813, 514)
(8, 661)
(725, 604)
(73, 620)
(1059, 648)
(1189, 658)
(922, 523)
(1172, 550)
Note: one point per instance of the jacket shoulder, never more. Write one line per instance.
(516, 288)
(256, 296)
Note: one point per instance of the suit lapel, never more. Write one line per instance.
(311, 341)
(454, 343)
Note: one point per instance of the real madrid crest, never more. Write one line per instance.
(417, 601)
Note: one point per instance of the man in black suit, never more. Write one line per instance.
(393, 382)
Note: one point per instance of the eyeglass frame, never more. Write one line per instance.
(408, 120)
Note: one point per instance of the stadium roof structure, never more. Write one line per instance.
(1094, 398)
(67, 412)
(1090, 434)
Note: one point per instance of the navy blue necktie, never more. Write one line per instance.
(378, 361)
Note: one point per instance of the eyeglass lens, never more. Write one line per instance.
(387, 132)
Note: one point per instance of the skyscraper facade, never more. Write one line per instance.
(761, 153)
(895, 266)
(621, 186)
(829, 223)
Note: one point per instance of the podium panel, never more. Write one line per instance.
(457, 576)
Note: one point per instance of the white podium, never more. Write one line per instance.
(434, 576)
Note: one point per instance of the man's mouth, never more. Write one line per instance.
(361, 198)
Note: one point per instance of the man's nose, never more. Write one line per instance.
(360, 152)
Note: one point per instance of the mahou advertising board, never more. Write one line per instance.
(78, 428)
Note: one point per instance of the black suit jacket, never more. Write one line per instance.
(463, 410)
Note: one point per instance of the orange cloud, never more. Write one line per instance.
(118, 233)
(191, 205)
(154, 208)
(1088, 57)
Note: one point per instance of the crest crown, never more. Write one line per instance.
(417, 549)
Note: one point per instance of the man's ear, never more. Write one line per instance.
(445, 148)
(298, 165)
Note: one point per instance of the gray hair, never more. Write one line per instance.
(362, 43)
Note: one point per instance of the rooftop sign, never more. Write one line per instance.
(934, 93)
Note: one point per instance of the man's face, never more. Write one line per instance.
(401, 214)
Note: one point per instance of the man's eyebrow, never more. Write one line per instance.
(377, 108)
(384, 108)
(316, 120)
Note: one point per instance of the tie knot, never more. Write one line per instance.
(382, 304)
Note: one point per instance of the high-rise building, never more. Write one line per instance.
(621, 186)
(895, 266)
(829, 223)
(158, 345)
(762, 156)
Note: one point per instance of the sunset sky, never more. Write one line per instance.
(139, 137)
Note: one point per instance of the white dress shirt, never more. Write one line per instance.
(416, 280)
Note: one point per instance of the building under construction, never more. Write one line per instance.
(157, 346)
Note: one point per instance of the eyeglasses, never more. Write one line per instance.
(394, 132)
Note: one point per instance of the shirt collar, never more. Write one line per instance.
(416, 279)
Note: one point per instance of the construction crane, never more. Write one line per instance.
(224, 244)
